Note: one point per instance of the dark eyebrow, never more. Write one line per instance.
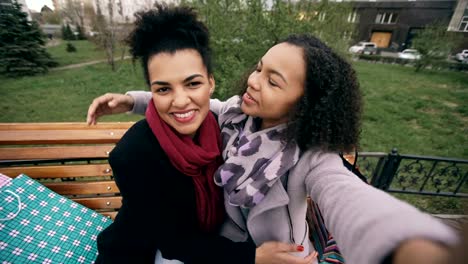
(275, 72)
(191, 77)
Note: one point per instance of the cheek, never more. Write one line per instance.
(202, 99)
(162, 104)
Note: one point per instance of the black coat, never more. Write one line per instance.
(158, 210)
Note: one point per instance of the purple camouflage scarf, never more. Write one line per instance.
(254, 160)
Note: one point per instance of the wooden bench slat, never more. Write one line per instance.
(76, 136)
(64, 126)
(94, 203)
(111, 215)
(39, 149)
(84, 188)
(65, 152)
(59, 171)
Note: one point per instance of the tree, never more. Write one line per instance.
(435, 44)
(51, 18)
(106, 37)
(80, 35)
(241, 31)
(70, 47)
(74, 12)
(67, 33)
(21, 48)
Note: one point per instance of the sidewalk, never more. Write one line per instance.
(78, 65)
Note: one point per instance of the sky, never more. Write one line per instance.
(36, 5)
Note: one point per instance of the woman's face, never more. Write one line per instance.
(181, 89)
(276, 85)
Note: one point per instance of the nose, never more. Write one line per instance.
(181, 98)
(253, 80)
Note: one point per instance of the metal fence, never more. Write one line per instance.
(425, 175)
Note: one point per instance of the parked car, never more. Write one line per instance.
(462, 56)
(409, 54)
(368, 48)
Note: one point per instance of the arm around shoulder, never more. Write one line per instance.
(141, 99)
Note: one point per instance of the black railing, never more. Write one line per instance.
(425, 175)
(391, 172)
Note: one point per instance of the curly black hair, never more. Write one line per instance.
(328, 116)
(168, 29)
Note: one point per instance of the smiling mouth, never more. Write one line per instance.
(184, 117)
(250, 97)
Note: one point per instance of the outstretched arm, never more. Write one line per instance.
(360, 216)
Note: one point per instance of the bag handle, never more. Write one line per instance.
(19, 207)
(352, 167)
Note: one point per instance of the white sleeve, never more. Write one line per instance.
(216, 106)
(367, 223)
(220, 107)
(141, 99)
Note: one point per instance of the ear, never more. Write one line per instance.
(212, 82)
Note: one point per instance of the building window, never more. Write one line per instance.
(463, 24)
(386, 18)
(353, 17)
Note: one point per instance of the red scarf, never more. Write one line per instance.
(200, 161)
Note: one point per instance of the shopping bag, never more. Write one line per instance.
(38, 225)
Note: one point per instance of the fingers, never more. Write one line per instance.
(291, 259)
(99, 102)
(311, 258)
(286, 247)
(277, 252)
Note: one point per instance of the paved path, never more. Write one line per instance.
(78, 65)
(53, 42)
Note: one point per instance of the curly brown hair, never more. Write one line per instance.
(168, 29)
(328, 115)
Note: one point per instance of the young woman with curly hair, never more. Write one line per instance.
(281, 139)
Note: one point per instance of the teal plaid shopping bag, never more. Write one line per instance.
(38, 225)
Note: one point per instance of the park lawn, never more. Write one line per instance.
(65, 95)
(85, 51)
(422, 113)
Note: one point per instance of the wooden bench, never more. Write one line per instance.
(69, 158)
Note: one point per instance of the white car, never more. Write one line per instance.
(409, 54)
(364, 48)
(462, 56)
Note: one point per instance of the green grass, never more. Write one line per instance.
(65, 95)
(421, 113)
(85, 51)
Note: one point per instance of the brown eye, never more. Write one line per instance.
(162, 90)
(194, 84)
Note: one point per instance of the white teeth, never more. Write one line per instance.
(185, 115)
